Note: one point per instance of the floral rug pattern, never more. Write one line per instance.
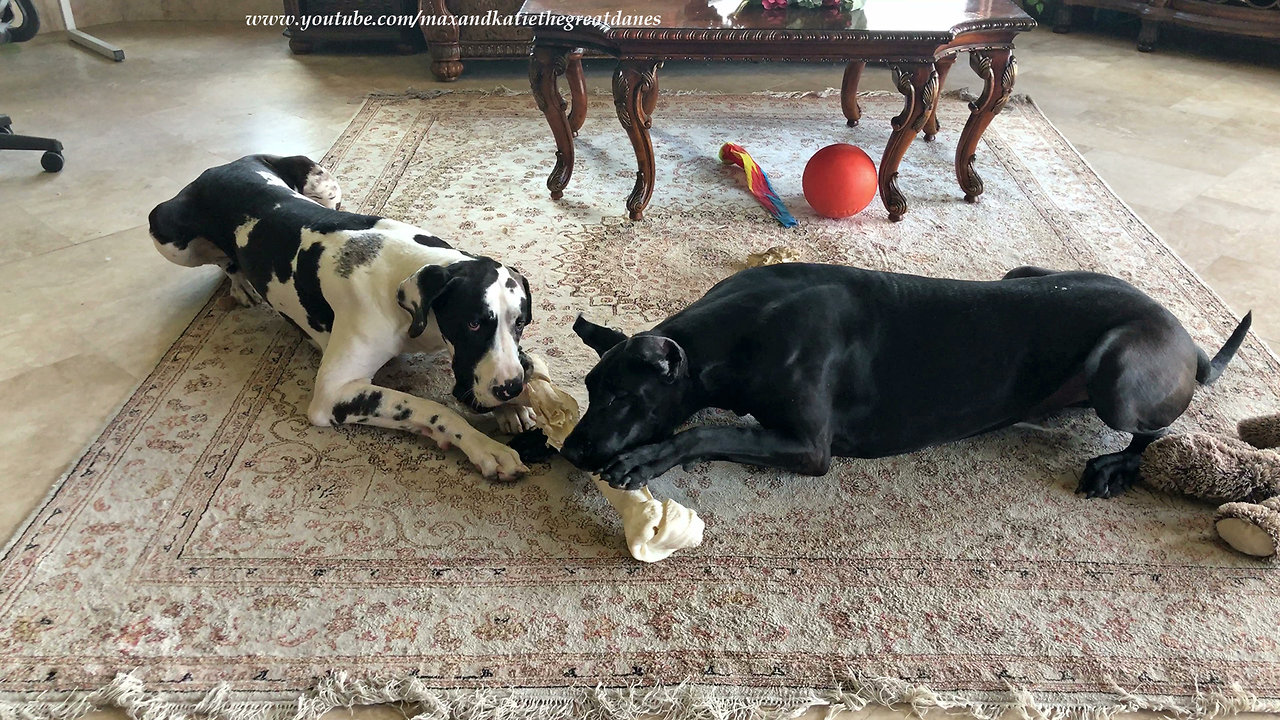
(211, 536)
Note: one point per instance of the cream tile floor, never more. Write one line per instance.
(1189, 136)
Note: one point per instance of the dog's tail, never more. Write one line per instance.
(1209, 370)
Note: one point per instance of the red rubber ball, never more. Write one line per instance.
(839, 181)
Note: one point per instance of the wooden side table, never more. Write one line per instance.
(402, 38)
(919, 39)
(1242, 18)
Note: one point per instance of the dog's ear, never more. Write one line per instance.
(597, 337)
(419, 291)
(293, 170)
(526, 310)
(178, 221)
(664, 355)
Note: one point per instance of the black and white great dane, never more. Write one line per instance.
(834, 360)
(365, 289)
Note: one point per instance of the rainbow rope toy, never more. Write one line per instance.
(757, 183)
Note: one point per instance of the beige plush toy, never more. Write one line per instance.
(654, 528)
(1244, 474)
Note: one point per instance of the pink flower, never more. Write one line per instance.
(774, 4)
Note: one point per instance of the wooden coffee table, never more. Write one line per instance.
(918, 39)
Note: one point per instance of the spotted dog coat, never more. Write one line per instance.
(365, 289)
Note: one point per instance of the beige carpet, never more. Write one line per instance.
(211, 547)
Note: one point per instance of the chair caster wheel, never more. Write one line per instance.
(52, 161)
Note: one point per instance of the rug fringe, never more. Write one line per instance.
(685, 701)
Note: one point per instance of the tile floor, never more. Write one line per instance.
(1189, 136)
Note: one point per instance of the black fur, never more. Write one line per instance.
(358, 250)
(362, 405)
(225, 197)
(307, 285)
(431, 241)
(834, 360)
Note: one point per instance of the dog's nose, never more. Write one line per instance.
(508, 390)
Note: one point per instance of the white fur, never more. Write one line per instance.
(323, 188)
(502, 362)
(370, 328)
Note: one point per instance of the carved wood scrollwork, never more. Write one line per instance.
(902, 81)
(923, 101)
(998, 70)
(635, 94)
(630, 87)
(546, 65)
(919, 85)
(970, 180)
(555, 64)
(982, 66)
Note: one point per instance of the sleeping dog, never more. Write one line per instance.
(365, 289)
(839, 361)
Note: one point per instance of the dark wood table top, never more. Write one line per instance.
(939, 20)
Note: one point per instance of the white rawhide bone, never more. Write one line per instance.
(654, 528)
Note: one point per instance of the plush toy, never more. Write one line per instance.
(1242, 473)
(654, 528)
(757, 183)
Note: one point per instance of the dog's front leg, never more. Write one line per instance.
(345, 394)
(751, 445)
(368, 404)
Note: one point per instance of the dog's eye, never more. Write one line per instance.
(520, 324)
(473, 325)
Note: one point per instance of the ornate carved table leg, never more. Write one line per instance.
(931, 125)
(635, 94)
(442, 41)
(919, 84)
(998, 69)
(849, 93)
(577, 91)
(545, 65)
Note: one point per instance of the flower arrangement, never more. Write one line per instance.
(846, 5)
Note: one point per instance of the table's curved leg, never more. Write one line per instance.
(931, 125)
(635, 94)
(918, 82)
(577, 91)
(998, 70)
(546, 64)
(849, 92)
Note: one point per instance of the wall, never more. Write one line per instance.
(99, 12)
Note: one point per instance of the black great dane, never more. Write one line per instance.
(833, 360)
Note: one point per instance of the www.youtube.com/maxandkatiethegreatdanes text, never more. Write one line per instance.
(355, 18)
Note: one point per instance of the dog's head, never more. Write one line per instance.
(199, 209)
(636, 395)
(176, 222)
(481, 308)
(305, 177)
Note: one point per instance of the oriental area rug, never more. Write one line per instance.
(214, 554)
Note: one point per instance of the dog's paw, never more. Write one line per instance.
(1108, 476)
(243, 292)
(633, 470)
(492, 458)
(514, 419)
